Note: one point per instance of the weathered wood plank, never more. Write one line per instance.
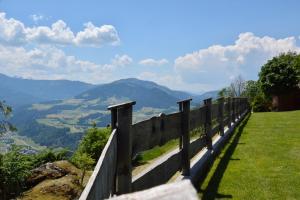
(175, 191)
(214, 111)
(214, 130)
(155, 131)
(159, 172)
(197, 117)
(101, 182)
(196, 146)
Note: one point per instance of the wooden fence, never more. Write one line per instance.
(113, 172)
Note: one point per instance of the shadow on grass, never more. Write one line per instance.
(211, 191)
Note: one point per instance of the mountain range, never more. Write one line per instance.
(18, 91)
(56, 113)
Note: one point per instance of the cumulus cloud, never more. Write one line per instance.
(174, 81)
(36, 18)
(11, 31)
(122, 60)
(153, 62)
(95, 36)
(46, 62)
(217, 64)
(59, 33)
(14, 32)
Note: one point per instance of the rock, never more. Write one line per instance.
(45, 171)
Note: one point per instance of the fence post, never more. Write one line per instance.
(229, 112)
(233, 107)
(240, 107)
(208, 123)
(113, 124)
(113, 115)
(122, 120)
(184, 107)
(221, 115)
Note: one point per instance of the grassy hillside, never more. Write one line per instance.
(262, 160)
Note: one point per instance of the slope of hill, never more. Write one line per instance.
(145, 93)
(62, 122)
(19, 91)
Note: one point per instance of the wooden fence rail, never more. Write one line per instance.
(113, 172)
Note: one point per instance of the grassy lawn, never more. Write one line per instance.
(261, 161)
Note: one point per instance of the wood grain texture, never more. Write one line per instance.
(101, 182)
(197, 117)
(175, 191)
(155, 131)
(158, 172)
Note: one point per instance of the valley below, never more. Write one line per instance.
(60, 118)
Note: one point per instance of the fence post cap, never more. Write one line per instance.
(207, 100)
(125, 104)
(185, 100)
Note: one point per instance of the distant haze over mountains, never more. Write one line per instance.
(19, 91)
(56, 113)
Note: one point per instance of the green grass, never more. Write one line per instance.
(151, 154)
(157, 151)
(261, 161)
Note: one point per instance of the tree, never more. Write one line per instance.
(281, 74)
(84, 161)
(94, 141)
(5, 112)
(14, 169)
(236, 88)
(252, 89)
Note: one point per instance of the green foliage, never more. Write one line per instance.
(48, 155)
(5, 112)
(258, 101)
(280, 74)
(252, 88)
(261, 103)
(224, 92)
(84, 161)
(94, 141)
(14, 169)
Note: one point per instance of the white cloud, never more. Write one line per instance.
(122, 60)
(59, 33)
(48, 62)
(96, 36)
(11, 31)
(153, 62)
(14, 32)
(36, 18)
(216, 64)
(174, 81)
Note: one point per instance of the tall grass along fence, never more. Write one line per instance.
(113, 172)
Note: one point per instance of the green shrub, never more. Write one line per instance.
(93, 142)
(261, 103)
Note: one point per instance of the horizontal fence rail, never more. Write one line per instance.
(113, 172)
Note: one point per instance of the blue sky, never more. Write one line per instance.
(188, 45)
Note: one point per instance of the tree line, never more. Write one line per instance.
(279, 76)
